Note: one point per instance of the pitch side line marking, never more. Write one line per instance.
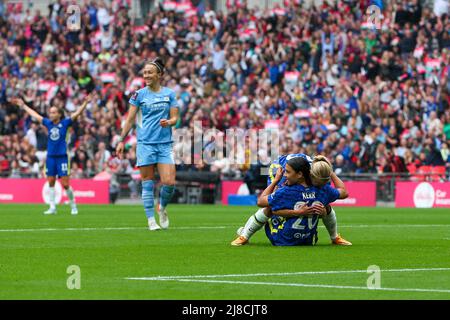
(221, 227)
(391, 225)
(106, 229)
(278, 274)
(307, 285)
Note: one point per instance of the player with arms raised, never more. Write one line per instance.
(155, 108)
(57, 162)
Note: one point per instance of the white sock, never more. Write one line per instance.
(51, 196)
(71, 197)
(330, 223)
(254, 223)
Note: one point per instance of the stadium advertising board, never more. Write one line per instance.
(361, 193)
(422, 195)
(36, 191)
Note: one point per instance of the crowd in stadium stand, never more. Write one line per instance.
(371, 100)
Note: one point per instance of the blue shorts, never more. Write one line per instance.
(57, 166)
(280, 236)
(148, 154)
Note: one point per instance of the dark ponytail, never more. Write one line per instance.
(158, 63)
(300, 164)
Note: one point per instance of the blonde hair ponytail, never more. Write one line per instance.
(321, 170)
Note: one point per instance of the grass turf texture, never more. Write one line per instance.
(33, 263)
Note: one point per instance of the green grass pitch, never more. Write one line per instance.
(111, 244)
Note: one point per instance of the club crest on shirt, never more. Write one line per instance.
(54, 134)
(134, 96)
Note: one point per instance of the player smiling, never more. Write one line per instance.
(155, 108)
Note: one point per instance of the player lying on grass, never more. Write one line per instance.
(320, 176)
(293, 210)
(57, 162)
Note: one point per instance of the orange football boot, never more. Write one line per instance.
(341, 241)
(239, 241)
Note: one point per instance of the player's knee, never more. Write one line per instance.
(168, 182)
(147, 176)
(268, 212)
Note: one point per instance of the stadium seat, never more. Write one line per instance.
(424, 173)
(411, 168)
(438, 173)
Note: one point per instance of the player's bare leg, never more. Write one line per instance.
(253, 224)
(167, 174)
(70, 195)
(51, 191)
(330, 223)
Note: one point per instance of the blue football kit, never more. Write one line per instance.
(57, 163)
(154, 142)
(296, 230)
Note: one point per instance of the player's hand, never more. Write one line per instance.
(88, 98)
(279, 175)
(18, 102)
(119, 150)
(305, 210)
(164, 123)
(319, 209)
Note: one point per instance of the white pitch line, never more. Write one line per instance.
(308, 285)
(393, 225)
(279, 274)
(107, 229)
(221, 227)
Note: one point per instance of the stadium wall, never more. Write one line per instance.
(86, 191)
(361, 193)
(422, 194)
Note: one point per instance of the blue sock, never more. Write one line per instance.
(165, 195)
(147, 198)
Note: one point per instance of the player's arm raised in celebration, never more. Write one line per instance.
(74, 116)
(339, 185)
(132, 111)
(173, 118)
(19, 102)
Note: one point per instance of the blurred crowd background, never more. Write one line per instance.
(371, 100)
